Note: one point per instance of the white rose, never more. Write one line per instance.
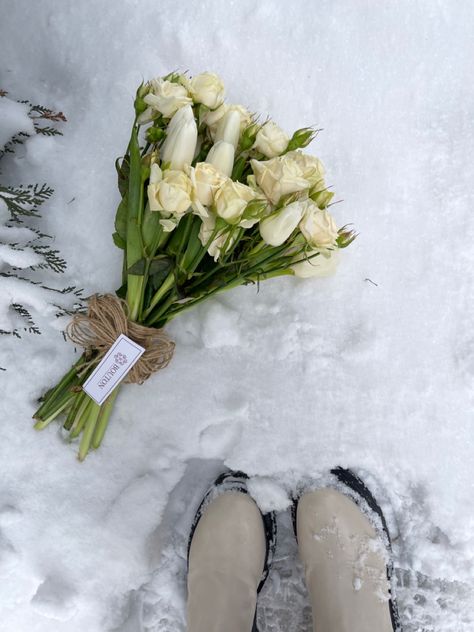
(231, 199)
(167, 97)
(205, 180)
(207, 88)
(171, 193)
(180, 143)
(221, 155)
(311, 167)
(318, 227)
(317, 264)
(278, 176)
(275, 229)
(271, 140)
(214, 117)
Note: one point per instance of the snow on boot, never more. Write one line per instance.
(230, 550)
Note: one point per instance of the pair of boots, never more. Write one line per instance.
(346, 561)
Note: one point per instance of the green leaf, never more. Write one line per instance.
(119, 241)
(121, 219)
(123, 171)
(122, 291)
(137, 268)
(159, 269)
(151, 229)
(160, 263)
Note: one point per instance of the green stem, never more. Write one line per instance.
(165, 287)
(135, 250)
(185, 306)
(81, 416)
(74, 408)
(154, 317)
(60, 406)
(56, 393)
(104, 416)
(93, 414)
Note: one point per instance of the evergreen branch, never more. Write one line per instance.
(25, 200)
(52, 259)
(21, 310)
(46, 113)
(9, 147)
(48, 131)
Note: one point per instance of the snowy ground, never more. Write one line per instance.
(371, 369)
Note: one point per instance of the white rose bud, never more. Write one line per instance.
(180, 143)
(317, 264)
(167, 97)
(206, 180)
(220, 240)
(231, 200)
(146, 116)
(208, 89)
(156, 175)
(278, 176)
(271, 140)
(221, 155)
(170, 194)
(318, 227)
(276, 228)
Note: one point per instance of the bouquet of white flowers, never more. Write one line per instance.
(210, 199)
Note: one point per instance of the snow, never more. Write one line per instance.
(14, 118)
(371, 368)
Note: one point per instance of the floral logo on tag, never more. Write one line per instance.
(120, 358)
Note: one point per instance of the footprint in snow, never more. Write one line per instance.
(217, 440)
(55, 599)
(9, 514)
(9, 556)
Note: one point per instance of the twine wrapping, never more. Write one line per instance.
(106, 319)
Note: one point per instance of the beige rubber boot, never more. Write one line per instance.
(345, 564)
(226, 562)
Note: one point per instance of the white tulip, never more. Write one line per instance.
(221, 155)
(278, 176)
(271, 140)
(180, 143)
(231, 199)
(318, 264)
(318, 227)
(213, 117)
(167, 97)
(228, 129)
(276, 228)
(208, 89)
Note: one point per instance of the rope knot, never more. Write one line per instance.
(107, 318)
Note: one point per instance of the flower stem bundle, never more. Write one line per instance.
(210, 199)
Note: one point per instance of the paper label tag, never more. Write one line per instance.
(113, 367)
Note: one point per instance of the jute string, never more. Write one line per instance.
(107, 318)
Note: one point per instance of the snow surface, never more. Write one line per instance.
(14, 118)
(371, 369)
